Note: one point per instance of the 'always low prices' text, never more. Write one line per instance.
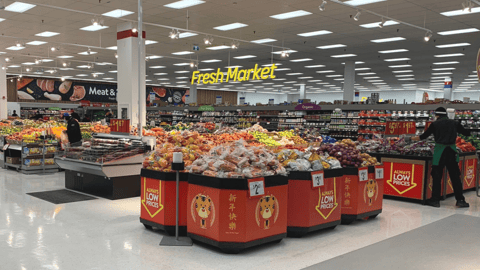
(402, 178)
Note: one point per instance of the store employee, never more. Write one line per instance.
(73, 131)
(445, 131)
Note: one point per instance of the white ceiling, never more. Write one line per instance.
(256, 14)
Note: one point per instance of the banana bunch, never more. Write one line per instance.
(286, 133)
(264, 138)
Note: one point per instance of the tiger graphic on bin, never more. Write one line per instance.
(370, 191)
(202, 207)
(266, 212)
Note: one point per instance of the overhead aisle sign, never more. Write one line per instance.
(234, 74)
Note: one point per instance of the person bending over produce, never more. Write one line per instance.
(445, 131)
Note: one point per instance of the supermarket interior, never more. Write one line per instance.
(314, 134)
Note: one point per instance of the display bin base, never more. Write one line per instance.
(237, 247)
(234, 213)
(158, 202)
(349, 219)
(110, 188)
(170, 230)
(297, 232)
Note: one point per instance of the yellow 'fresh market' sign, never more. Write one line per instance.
(234, 74)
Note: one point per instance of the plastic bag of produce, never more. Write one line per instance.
(317, 165)
(334, 163)
(303, 164)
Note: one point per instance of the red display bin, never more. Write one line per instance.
(225, 214)
(158, 190)
(470, 175)
(313, 206)
(361, 198)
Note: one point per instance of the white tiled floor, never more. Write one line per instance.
(104, 234)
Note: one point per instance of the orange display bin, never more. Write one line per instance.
(313, 206)
(157, 200)
(361, 199)
(222, 213)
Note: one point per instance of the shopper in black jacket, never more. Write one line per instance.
(74, 132)
(445, 131)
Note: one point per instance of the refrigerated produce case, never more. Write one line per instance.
(108, 167)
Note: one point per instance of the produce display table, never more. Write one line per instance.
(157, 199)
(225, 213)
(362, 193)
(313, 205)
(410, 177)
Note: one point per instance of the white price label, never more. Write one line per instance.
(256, 187)
(378, 173)
(363, 175)
(318, 179)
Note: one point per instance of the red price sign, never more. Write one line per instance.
(400, 127)
(120, 125)
(391, 128)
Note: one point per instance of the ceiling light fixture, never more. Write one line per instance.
(174, 34)
(322, 5)
(235, 45)
(116, 55)
(285, 54)
(428, 36)
(382, 23)
(7, 59)
(134, 30)
(357, 16)
(97, 22)
(208, 40)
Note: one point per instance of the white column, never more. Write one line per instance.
(302, 92)
(349, 81)
(3, 90)
(129, 73)
(192, 94)
(447, 89)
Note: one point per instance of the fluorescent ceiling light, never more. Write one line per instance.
(148, 42)
(93, 28)
(375, 81)
(47, 34)
(402, 71)
(87, 53)
(356, 63)
(113, 78)
(339, 79)
(315, 33)
(230, 26)
(315, 66)
(439, 69)
(15, 48)
(291, 82)
(460, 31)
(333, 46)
(269, 65)
(182, 71)
(183, 53)
(362, 2)
(383, 40)
(293, 74)
(452, 45)
(289, 15)
(364, 68)
(81, 75)
(233, 66)
(47, 60)
(19, 7)
(285, 51)
(221, 47)
(14, 66)
(461, 12)
(322, 83)
(181, 64)
(399, 66)
(301, 60)
(160, 74)
(157, 67)
(314, 80)
(282, 69)
(325, 71)
(28, 63)
(394, 51)
(445, 73)
(36, 42)
(83, 66)
(396, 59)
(379, 83)
(64, 56)
(211, 61)
(407, 79)
(371, 78)
(163, 79)
(446, 63)
(265, 40)
(154, 56)
(343, 55)
(186, 35)
(368, 73)
(404, 75)
(113, 48)
(117, 13)
(376, 24)
(333, 76)
(184, 4)
(449, 55)
(244, 57)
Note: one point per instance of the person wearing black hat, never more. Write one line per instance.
(445, 154)
(73, 131)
